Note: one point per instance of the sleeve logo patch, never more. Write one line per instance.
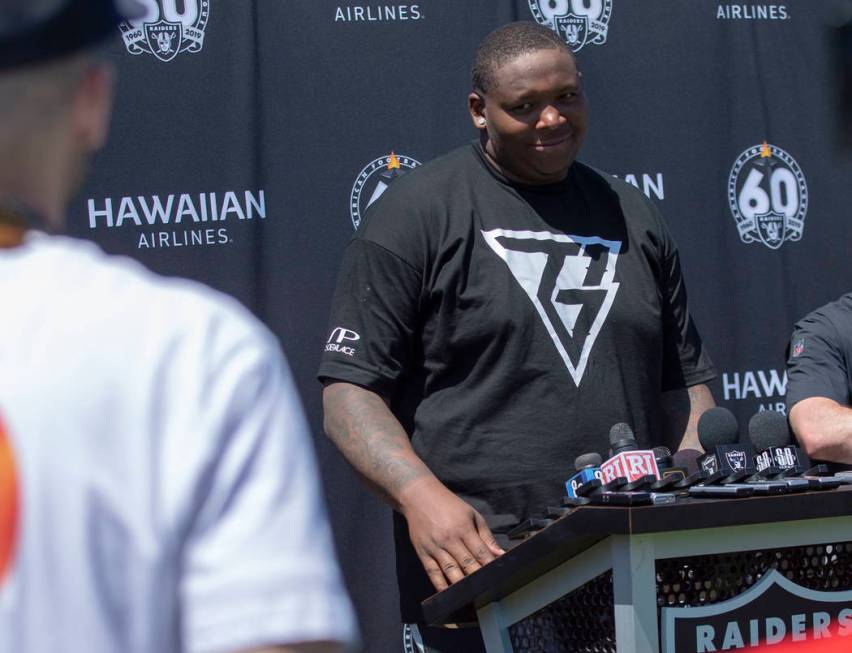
(337, 341)
(798, 347)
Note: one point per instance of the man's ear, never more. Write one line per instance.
(93, 106)
(476, 107)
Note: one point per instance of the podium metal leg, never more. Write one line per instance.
(634, 594)
(495, 630)
(496, 618)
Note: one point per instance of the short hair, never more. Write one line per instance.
(34, 95)
(507, 43)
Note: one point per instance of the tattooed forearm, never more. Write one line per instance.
(683, 408)
(362, 426)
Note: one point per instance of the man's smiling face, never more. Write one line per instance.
(535, 116)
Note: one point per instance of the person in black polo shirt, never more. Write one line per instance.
(498, 310)
(819, 382)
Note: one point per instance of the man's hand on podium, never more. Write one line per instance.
(451, 539)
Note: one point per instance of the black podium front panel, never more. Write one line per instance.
(583, 621)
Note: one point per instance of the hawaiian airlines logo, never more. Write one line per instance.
(579, 22)
(377, 14)
(167, 30)
(743, 11)
(8, 505)
(180, 219)
(768, 196)
(767, 386)
(569, 280)
(374, 179)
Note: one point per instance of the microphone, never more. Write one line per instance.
(588, 468)
(669, 475)
(687, 459)
(778, 458)
(638, 466)
(621, 438)
(770, 433)
(726, 460)
(663, 456)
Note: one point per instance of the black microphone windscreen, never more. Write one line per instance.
(588, 460)
(768, 428)
(717, 426)
(663, 456)
(686, 458)
(620, 431)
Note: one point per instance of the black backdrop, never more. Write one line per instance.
(268, 110)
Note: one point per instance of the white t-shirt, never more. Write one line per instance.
(167, 494)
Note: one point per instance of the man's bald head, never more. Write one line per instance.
(46, 48)
(55, 96)
(506, 44)
(40, 92)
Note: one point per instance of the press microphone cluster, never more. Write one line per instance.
(630, 476)
(765, 464)
(768, 463)
(782, 460)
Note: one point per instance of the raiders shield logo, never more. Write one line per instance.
(574, 29)
(771, 227)
(164, 39)
(736, 459)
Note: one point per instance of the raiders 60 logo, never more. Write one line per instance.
(168, 28)
(374, 179)
(579, 22)
(768, 196)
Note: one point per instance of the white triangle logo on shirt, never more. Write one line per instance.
(569, 280)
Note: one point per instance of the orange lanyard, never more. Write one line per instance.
(12, 228)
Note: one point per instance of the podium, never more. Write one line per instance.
(650, 579)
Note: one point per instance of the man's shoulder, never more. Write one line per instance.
(598, 179)
(428, 183)
(444, 169)
(834, 317)
(122, 291)
(409, 213)
(594, 180)
(639, 211)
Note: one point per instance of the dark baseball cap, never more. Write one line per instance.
(36, 31)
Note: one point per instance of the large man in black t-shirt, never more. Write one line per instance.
(498, 310)
(819, 382)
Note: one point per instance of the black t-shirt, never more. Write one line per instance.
(818, 359)
(510, 327)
